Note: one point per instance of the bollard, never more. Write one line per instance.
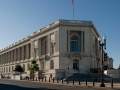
(93, 82)
(53, 79)
(86, 81)
(39, 78)
(112, 83)
(79, 81)
(42, 79)
(49, 79)
(73, 80)
(62, 81)
(28, 78)
(57, 80)
(67, 81)
(45, 79)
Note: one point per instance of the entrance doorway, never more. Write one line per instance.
(75, 64)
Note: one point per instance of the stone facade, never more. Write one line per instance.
(63, 46)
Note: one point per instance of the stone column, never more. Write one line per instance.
(18, 54)
(22, 53)
(5, 57)
(39, 46)
(68, 41)
(27, 51)
(15, 55)
(56, 41)
(48, 44)
(32, 49)
(8, 57)
(81, 41)
(11, 56)
(36, 47)
(0, 59)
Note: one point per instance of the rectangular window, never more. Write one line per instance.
(52, 49)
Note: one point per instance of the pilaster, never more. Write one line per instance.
(39, 46)
(48, 44)
(15, 55)
(27, 51)
(22, 53)
(18, 54)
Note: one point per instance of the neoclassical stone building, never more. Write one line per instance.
(63, 46)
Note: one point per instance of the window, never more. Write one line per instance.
(52, 49)
(74, 44)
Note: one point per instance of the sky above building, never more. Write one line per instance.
(19, 18)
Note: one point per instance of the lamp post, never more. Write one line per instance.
(68, 65)
(103, 44)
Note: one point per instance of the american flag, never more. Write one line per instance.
(72, 1)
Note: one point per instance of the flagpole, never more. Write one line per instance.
(73, 11)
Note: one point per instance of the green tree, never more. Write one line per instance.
(18, 68)
(33, 66)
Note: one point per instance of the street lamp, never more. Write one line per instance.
(68, 65)
(101, 45)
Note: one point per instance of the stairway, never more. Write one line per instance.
(81, 76)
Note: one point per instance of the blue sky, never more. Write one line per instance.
(19, 18)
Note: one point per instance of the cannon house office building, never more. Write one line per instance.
(64, 45)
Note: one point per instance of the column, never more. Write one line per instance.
(0, 59)
(81, 41)
(15, 55)
(39, 46)
(12, 56)
(22, 53)
(68, 41)
(32, 49)
(8, 57)
(4, 59)
(57, 41)
(18, 54)
(27, 51)
(36, 47)
(48, 44)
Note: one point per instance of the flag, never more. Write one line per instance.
(72, 1)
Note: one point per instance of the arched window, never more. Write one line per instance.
(74, 44)
(51, 64)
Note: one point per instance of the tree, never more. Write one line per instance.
(18, 68)
(33, 66)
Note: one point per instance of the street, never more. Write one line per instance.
(29, 85)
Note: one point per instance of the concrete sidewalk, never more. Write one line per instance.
(82, 84)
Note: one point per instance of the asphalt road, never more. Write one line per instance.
(28, 85)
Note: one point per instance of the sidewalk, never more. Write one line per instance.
(116, 86)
